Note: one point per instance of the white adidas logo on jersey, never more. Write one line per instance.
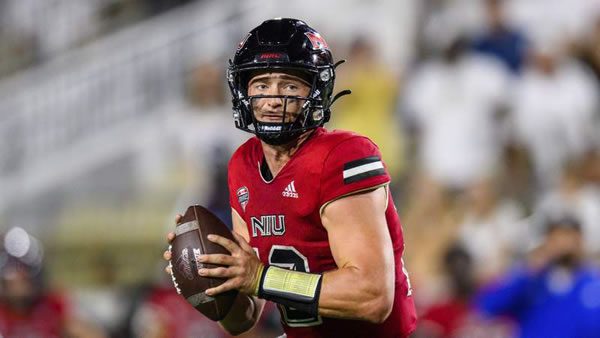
(290, 191)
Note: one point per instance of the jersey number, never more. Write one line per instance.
(289, 258)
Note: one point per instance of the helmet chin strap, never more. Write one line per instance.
(268, 133)
(282, 139)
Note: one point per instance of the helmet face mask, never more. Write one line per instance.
(283, 46)
(291, 124)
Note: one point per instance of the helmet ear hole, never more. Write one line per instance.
(318, 115)
(325, 75)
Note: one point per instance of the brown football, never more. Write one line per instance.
(191, 242)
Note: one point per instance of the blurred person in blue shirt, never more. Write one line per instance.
(500, 40)
(554, 294)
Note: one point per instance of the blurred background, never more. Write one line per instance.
(115, 115)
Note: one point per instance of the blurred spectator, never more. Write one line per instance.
(591, 166)
(500, 40)
(444, 20)
(370, 109)
(490, 229)
(162, 313)
(552, 22)
(204, 153)
(577, 194)
(589, 49)
(453, 315)
(555, 294)
(553, 113)
(430, 218)
(107, 302)
(24, 309)
(446, 317)
(165, 314)
(27, 308)
(515, 175)
(453, 103)
(205, 86)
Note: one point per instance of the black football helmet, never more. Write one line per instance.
(285, 45)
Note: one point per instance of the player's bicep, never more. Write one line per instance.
(358, 232)
(353, 166)
(239, 225)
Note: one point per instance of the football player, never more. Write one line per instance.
(315, 226)
(28, 308)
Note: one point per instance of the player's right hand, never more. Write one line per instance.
(170, 238)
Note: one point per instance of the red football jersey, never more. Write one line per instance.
(284, 223)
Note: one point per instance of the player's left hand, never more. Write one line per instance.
(241, 267)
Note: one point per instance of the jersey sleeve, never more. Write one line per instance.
(351, 166)
(237, 196)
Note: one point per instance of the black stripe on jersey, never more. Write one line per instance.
(364, 175)
(356, 163)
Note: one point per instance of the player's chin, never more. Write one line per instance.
(272, 118)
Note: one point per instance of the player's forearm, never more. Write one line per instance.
(243, 314)
(348, 292)
(351, 294)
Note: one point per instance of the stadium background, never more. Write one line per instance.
(115, 115)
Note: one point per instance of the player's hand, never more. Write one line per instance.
(541, 256)
(170, 238)
(241, 267)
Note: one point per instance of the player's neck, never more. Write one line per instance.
(278, 156)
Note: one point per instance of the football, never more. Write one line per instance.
(191, 242)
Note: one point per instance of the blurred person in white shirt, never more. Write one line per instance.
(453, 103)
(549, 22)
(491, 229)
(553, 113)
